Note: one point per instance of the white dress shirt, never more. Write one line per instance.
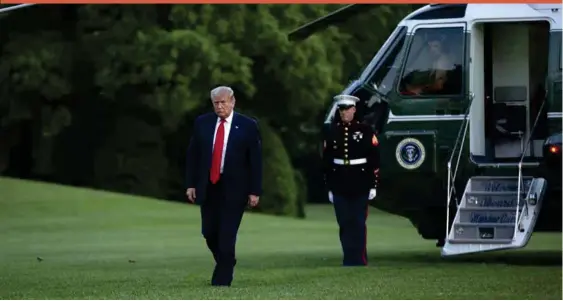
(227, 125)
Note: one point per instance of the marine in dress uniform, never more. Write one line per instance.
(351, 168)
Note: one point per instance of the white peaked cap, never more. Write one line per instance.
(346, 100)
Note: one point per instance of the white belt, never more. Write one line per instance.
(350, 162)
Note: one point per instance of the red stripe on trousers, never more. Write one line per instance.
(364, 258)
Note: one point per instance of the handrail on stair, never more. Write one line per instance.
(451, 178)
(520, 176)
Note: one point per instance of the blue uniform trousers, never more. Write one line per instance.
(351, 215)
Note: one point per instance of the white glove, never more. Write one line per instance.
(372, 193)
(330, 197)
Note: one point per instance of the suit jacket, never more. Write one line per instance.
(242, 170)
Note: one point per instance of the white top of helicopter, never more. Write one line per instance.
(477, 13)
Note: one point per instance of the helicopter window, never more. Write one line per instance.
(386, 72)
(377, 61)
(435, 63)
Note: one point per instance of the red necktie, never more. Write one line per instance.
(217, 153)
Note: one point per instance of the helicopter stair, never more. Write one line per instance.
(489, 216)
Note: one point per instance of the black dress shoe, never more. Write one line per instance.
(220, 280)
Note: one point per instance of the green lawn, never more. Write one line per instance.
(66, 243)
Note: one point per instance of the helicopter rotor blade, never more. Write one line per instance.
(338, 16)
(14, 7)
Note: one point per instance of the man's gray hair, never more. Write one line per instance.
(221, 89)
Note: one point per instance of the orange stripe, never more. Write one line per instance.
(265, 2)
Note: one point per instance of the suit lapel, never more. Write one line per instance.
(210, 132)
(232, 134)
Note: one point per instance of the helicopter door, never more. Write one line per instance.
(514, 77)
(428, 107)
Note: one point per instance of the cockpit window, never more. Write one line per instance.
(435, 63)
(384, 75)
(377, 61)
(381, 70)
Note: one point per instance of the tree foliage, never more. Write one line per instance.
(163, 60)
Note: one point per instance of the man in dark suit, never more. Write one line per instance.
(224, 175)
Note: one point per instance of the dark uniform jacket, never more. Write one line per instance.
(348, 144)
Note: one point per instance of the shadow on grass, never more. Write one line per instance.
(410, 258)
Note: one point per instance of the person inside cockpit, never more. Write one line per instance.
(440, 62)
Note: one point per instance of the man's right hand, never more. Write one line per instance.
(190, 193)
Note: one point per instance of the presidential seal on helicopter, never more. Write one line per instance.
(410, 153)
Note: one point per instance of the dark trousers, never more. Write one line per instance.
(221, 218)
(351, 215)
